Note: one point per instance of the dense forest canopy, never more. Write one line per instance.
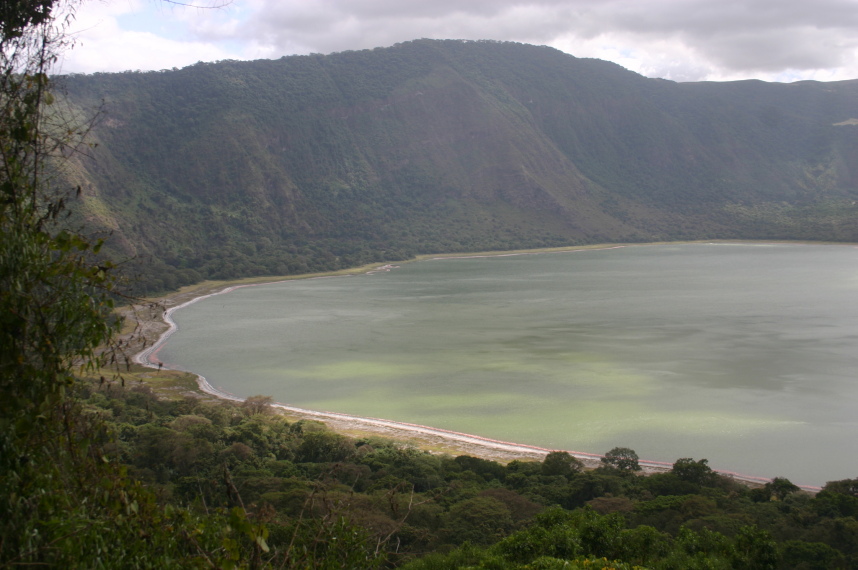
(319, 162)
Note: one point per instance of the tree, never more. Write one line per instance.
(55, 299)
(622, 459)
(780, 487)
(561, 463)
(480, 520)
(754, 548)
(697, 472)
(53, 295)
(255, 405)
(811, 555)
(844, 486)
(320, 447)
(63, 502)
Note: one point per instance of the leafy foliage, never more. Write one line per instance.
(697, 472)
(561, 463)
(622, 459)
(63, 503)
(326, 500)
(53, 300)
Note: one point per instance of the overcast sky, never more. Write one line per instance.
(682, 40)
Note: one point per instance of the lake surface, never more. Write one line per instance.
(744, 354)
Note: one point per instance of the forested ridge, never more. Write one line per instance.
(319, 162)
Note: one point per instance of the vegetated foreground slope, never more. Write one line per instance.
(320, 162)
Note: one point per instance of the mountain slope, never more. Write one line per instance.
(318, 162)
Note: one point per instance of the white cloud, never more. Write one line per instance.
(103, 43)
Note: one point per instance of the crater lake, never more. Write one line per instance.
(743, 354)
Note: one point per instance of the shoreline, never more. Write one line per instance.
(470, 444)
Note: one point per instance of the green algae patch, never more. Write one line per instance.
(357, 369)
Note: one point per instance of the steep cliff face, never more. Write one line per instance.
(317, 162)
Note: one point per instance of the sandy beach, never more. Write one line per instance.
(154, 325)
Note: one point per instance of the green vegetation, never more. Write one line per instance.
(316, 163)
(321, 499)
(622, 459)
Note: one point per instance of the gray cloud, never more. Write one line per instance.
(680, 39)
(750, 35)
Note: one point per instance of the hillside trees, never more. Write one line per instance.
(56, 498)
(561, 463)
(365, 502)
(697, 472)
(54, 296)
(622, 459)
(63, 502)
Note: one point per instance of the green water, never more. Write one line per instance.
(742, 354)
